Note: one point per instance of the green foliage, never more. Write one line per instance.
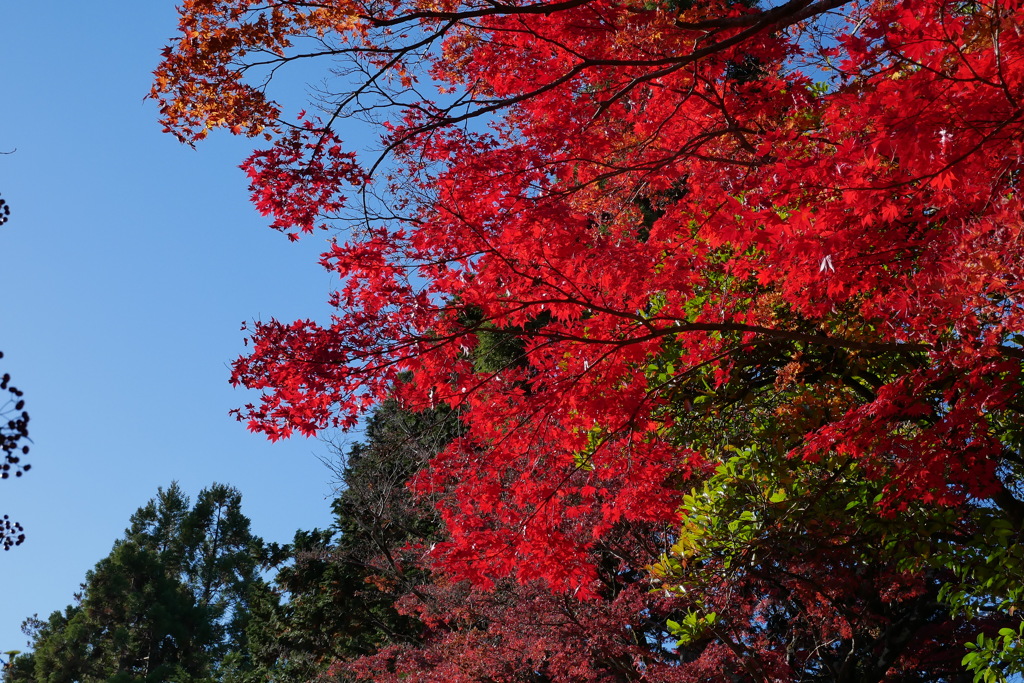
(496, 349)
(994, 659)
(989, 579)
(758, 510)
(693, 627)
(757, 502)
(169, 603)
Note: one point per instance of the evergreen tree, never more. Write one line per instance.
(169, 603)
(342, 583)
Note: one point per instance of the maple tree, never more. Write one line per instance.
(779, 570)
(363, 601)
(623, 236)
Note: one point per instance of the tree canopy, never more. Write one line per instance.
(170, 602)
(739, 282)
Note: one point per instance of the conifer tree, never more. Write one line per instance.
(169, 602)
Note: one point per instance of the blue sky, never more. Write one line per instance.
(129, 263)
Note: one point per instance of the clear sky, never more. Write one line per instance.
(129, 263)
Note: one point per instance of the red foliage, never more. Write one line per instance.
(785, 621)
(515, 631)
(628, 196)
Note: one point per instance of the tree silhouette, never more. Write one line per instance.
(13, 434)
